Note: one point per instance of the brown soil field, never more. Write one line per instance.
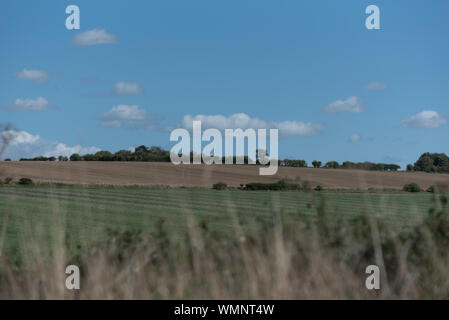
(147, 173)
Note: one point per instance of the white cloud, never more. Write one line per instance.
(298, 129)
(18, 137)
(127, 88)
(124, 112)
(426, 119)
(125, 115)
(354, 138)
(37, 104)
(352, 104)
(33, 75)
(26, 145)
(61, 149)
(112, 124)
(94, 37)
(244, 121)
(377, 85)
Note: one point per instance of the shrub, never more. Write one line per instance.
(432, 189)
(25, 181)
(319, 188)
(280, 185)
(220, 186)
(412, 187)
(306, 186)
(8, 180)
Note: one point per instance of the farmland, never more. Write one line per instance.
(86, 212)
(154, 231)
(154, 174)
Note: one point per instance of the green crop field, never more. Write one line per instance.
(36, 213)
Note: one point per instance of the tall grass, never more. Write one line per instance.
(319, 256)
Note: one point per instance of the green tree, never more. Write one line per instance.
(316, 164)
(332, 165)
(433, 162)
(75, 157)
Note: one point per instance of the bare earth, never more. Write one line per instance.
(146, 173)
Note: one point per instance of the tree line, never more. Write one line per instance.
(428, 162)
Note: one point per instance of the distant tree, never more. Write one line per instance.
(410, 167)
(52, 159)
(103, 156)
(332, 165)
(432, 162)
(316, 164)
(156, 150)
(40, 158)
(7, 159)
(293, 163)
(62, 158)
(75, 157)
(123, 155)
(391, 167)
(348, 165)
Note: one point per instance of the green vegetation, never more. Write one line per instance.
(362, 166)
(412, 187)
(162, 243)
(220, 186)
(88, 211)
(277, 186)
(25, 181)
(431, 162)
(40, 158)
(293, 163)
(316, 164)
(428, 162)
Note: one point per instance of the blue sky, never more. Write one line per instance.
(344, 92)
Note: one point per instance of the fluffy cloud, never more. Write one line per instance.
(426, 119)
(244, 121)
(127, 88)
(18, 137)
(32, 75)
(38, 104)
(26, 145)
(352, 104)
(124, 115)
(354, 138)
(94, 37)
(376, 86)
